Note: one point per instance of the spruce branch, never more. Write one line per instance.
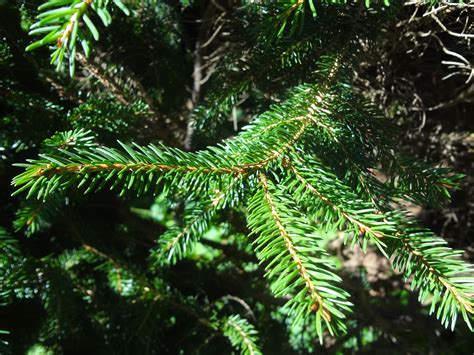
(241, 334)
(34, 215)
(108, 82)
(418, 182)
(435, 269)
(295, 263)
(178, 241)
(140, 167)
(314, 180)
(318, 302)
(117, 268)
(63, 22)
(266, 68)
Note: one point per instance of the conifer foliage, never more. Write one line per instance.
(317, 160)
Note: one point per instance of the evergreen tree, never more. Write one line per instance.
(156, 225)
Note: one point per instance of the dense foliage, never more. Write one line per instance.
(201, 176)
